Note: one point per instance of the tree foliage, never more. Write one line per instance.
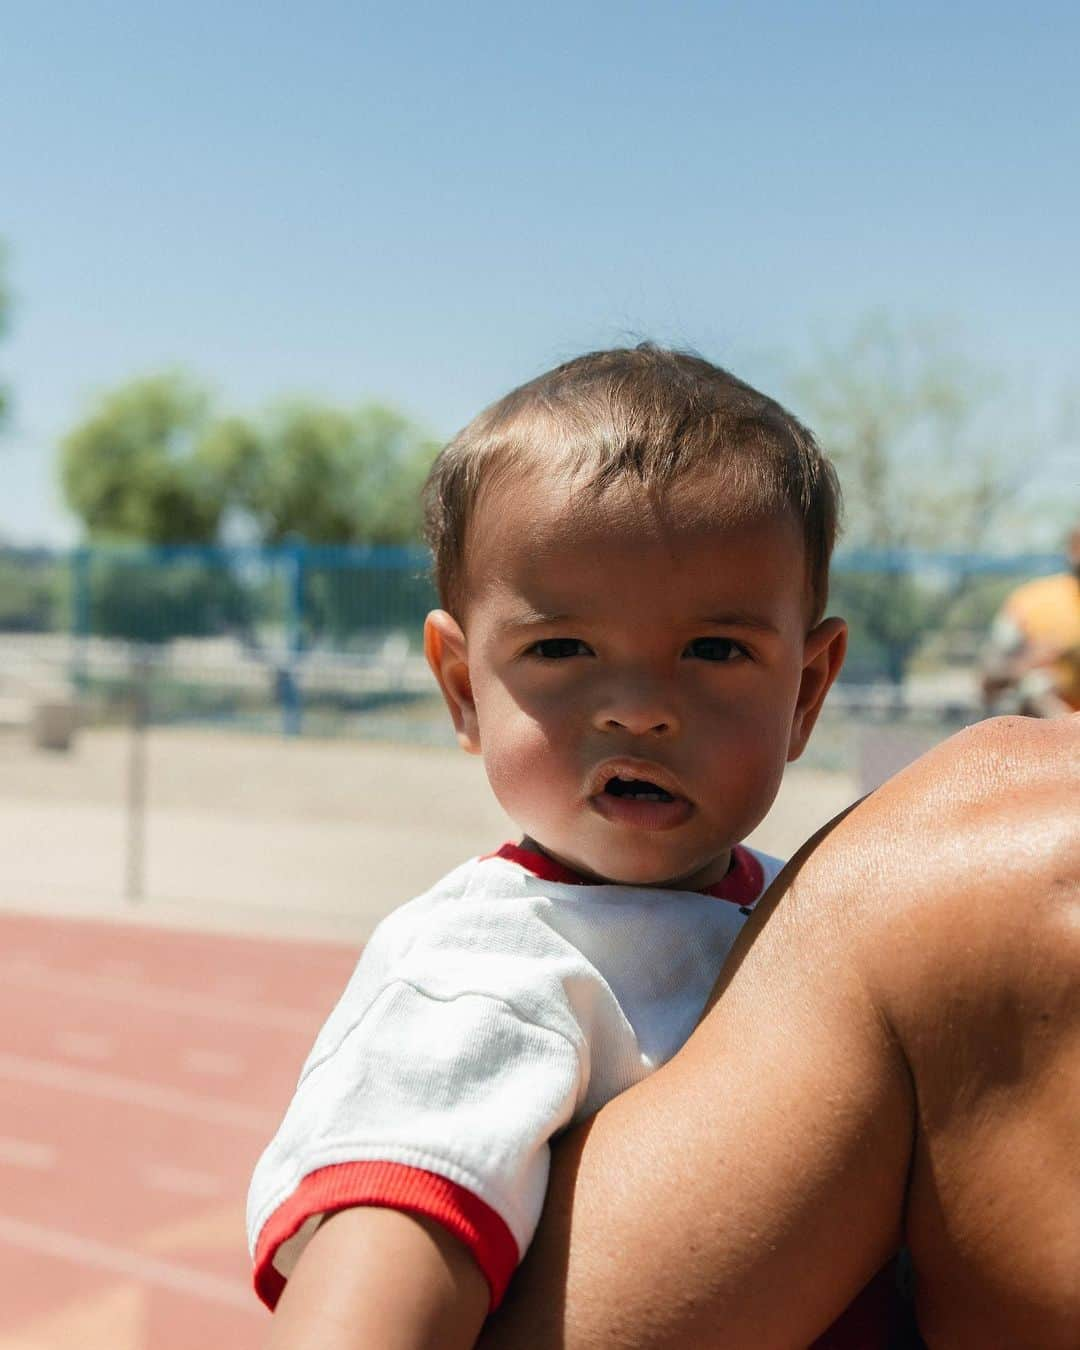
(912, 425)
(324, 474)
(915, 429)
(137, 470)
(153, 464)
(147, 600)
(32, 593)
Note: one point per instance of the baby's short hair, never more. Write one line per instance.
(647, 415)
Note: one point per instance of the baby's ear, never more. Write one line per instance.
(447, 655)
(823, 655)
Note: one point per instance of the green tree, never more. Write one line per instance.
(323, 474)
(137, 468)
(148, 599)
(915, 428)
(136, 471)
(32, 592)
(152, 465)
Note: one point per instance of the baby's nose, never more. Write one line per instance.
(641, 712)
(637, 726)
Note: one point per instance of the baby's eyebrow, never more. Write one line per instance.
(539, 618)
(738, 618)
(535, 618)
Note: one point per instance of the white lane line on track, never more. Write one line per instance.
(116, 968)
(179, 1180)
(83, 1045)
(27, 956)
(26, 1153)
(164, 1000)
(113, 1087)
(146, 1269)
(237, 986)
(217, 1063)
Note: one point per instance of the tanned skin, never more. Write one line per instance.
(346, 1291)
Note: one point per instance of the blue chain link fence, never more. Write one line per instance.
(300, 637)
(328, 640)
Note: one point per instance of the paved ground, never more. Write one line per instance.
(262, 835)
(244, 833)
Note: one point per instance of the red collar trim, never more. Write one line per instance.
(742, 885)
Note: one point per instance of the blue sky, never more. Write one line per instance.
(429, 203)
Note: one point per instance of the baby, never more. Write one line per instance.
(632, 555)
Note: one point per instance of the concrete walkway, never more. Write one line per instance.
(260, 835)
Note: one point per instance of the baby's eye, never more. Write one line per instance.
(558, 649)
(714, 649)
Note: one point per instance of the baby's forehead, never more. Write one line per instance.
(552, 507)
(550, 540)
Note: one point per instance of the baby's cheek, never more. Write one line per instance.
(521, 769)
(750, 793)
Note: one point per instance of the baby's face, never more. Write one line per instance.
(635, 685)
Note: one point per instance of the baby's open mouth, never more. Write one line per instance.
(639, 803)
(639, 788)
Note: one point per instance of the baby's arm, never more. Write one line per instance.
(466, 1093)
(374, 1277)
(420, 1125)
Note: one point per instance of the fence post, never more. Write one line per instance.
(80, 617)
(139, 708)
(292, 708)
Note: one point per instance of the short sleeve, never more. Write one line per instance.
(438, 1105)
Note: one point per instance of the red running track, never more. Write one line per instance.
(141, 1073)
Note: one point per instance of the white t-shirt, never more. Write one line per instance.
(511, 1000)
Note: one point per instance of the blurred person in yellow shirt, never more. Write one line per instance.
(1032, 664)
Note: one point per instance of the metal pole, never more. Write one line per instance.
(291, 700)
(136, 797)
(80, 616)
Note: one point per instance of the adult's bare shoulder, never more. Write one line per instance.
(944, 846)
(978, 847)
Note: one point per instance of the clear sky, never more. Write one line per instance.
(430, 202)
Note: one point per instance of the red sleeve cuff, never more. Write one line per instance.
(391, 1186)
